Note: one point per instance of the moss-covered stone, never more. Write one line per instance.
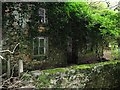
(99, 75)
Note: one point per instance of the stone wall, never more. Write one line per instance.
(55, 57)
(100, 75)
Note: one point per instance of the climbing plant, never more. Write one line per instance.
(90, 27)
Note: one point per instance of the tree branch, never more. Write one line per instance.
(2, 57)
(9, 50)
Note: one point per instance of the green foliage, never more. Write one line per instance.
(80, 21)
(43, 81)
(108, 21)
(70, 20)
(52, 71)
(76, 67)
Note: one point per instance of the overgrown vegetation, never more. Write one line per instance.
(85, 26)
(76, 30)
(97, 75)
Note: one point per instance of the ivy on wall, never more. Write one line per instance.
(89, 28)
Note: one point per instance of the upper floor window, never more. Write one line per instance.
(41, 13)
(40, 45)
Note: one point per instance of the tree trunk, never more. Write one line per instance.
(8, 68)
(74, 51)
(0, 41)
(72, 48)
(0, 65)
(69, 50)
(119, 51)
(118, 41)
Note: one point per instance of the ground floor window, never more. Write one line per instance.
(40, 46)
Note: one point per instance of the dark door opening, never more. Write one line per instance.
(72, 51)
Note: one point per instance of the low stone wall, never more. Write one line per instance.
(100, 75)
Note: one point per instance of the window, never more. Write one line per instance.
(41, 13)
(40, 45)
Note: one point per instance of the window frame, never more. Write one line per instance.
(44, 16)
(45, 47)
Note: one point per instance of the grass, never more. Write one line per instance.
(52, 71)
(84, 66)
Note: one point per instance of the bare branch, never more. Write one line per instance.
(15, 48)
(9, 50)
(2, 57)
(3, 75)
